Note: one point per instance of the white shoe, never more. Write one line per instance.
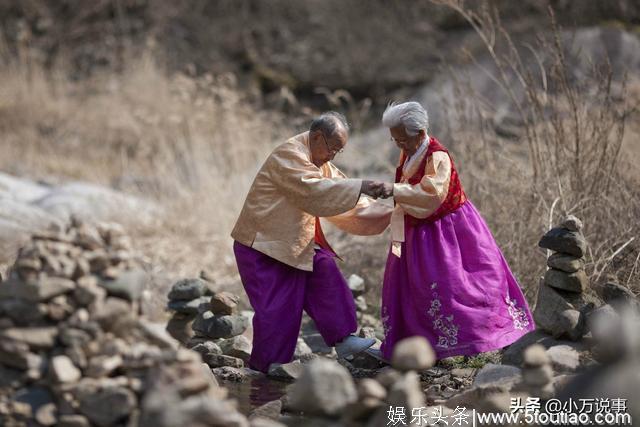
(353, 345)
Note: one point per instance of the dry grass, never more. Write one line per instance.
(573, 129)
(193, 144)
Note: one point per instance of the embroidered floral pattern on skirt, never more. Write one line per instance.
(519, 316)
(442, 323)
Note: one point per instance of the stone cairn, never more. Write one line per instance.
(216, 325)
(74, 350)
(563, 302)
(185, 298)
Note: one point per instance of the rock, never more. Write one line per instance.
(572, 282)
(108, 406)
(361, 303)
(566, 263)
(370, 388)
(513, 355)
(364, 360)
(414, 353)
(227, 373)
(583, 302)
(325, 388)
(264, 422)
(538, 377)
(606, 328)
(113, 312)
(95, 203)
(607, 382)
(535, 356)
(73, 421)
(37, 338)
(209, 377)
(356, 285)
(388, 376)
(180, 327)
(35, 397)
(103, 365)
(16, 355)
(463, 372)
(238, 346)
(23, 312)
(43, 289)
(491, 373)
(187, 290)
(219, 360)
(128, 285)
(563, 358)
(571, 223)
(406, 392)
(155, 333)
(286, 371)
(548, 309)
(63, 370)
(212, 326)
(572, 322)
(317, 344)
(46, 415)
(20, 189)
(224, 303)
(207, 347)
(270, 410)
(87, 291)
(491, 398)
(302, 351)
(88, 237)
(565, 241)
(617, 296)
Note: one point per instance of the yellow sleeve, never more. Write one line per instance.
(424, 198)
(304, 185)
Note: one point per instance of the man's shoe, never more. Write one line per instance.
(353, 345)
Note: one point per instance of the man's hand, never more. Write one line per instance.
(376, 189)
(387, 190)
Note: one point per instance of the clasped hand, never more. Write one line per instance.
(377, 189)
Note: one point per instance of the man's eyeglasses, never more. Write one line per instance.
(331, 150)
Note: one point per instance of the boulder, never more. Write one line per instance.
(414, 353)
(325, 388)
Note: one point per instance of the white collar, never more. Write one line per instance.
(413, 161)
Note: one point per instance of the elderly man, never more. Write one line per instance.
(284, 260)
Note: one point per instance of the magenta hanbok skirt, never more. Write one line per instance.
(452, 286)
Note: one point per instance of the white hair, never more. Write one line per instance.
(411, 115)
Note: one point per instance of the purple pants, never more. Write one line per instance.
(278, 293)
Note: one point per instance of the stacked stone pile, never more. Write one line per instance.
(218, 329)
(75, 352)
(185, 298)
(562, 298)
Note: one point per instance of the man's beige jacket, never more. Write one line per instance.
(289, 192)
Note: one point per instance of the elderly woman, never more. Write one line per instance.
(445, 278)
